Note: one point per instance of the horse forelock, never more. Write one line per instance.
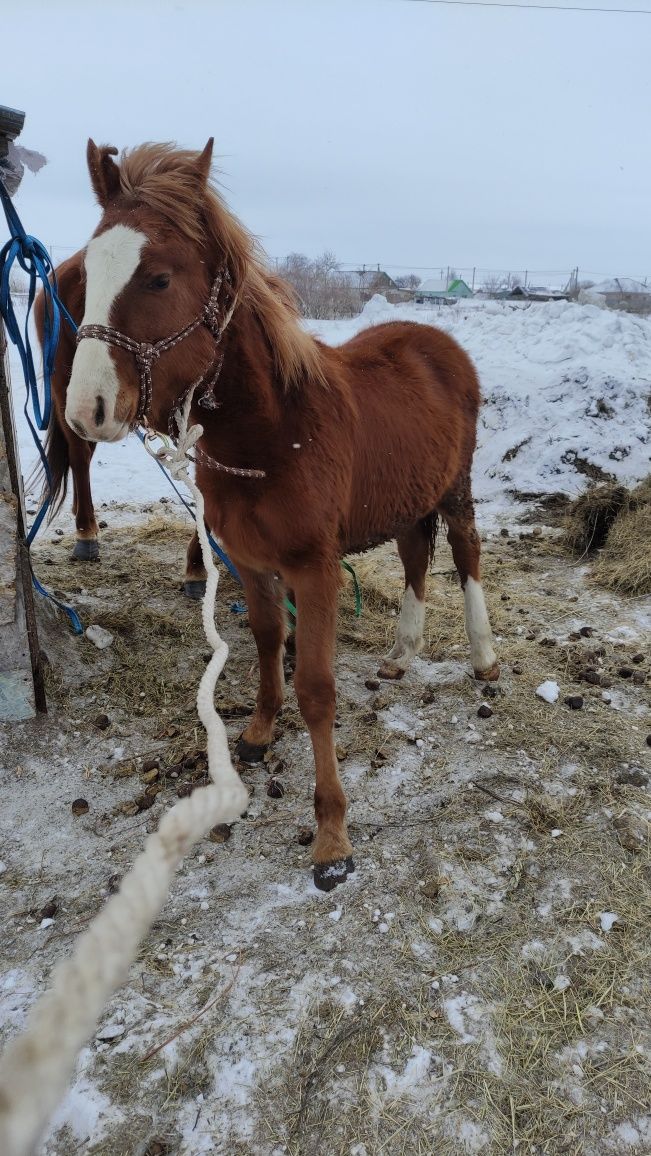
(165, 180)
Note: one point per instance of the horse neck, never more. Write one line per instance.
(249, 396)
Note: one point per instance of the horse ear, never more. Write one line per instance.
(104, 173)
(204, 161)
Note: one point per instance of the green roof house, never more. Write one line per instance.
(441, 290)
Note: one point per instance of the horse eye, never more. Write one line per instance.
(160, 282)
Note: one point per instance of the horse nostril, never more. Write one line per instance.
(99, 412)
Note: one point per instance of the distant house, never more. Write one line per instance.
(533, 293)
(619, 293)
(442, 290)
(367, 282)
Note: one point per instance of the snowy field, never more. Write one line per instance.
(481, 983)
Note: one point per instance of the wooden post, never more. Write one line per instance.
(22, 690)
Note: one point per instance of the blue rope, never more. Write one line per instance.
(237, 607)
(33, 259)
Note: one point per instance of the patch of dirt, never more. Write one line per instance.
(466, 989)
(586, 467)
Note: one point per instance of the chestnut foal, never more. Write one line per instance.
(66, 451)
(308, 452)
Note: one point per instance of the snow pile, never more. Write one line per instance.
(617, 285)
(565, 389)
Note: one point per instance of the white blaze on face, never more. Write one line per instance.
(478, 629)
(111, 260)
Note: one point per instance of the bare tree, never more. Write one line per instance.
(492, 284)
(321, 287)
(407, 281)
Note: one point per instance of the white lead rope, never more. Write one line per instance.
(36, 1066)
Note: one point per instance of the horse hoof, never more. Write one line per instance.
(328, 875)
(194, 588)
(251, 752)
(86, 550)
(391, 671)
(491, 675)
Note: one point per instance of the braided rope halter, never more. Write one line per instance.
(147, 352)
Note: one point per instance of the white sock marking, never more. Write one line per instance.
(111, 260)
(409, 634)
(478, 627)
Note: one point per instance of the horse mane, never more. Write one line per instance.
(164, 178)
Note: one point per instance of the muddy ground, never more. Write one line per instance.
(480, 984)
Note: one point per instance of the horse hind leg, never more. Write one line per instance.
(416, 548)
(457, 509)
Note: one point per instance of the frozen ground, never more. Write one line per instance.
(481, 984)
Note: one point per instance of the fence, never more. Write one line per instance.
(490, 278)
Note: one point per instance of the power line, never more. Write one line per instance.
(539, 7)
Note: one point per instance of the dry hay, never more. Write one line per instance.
(547, 1066)
(152, 668)
(333, 1095)
(617, 522)
(624, 564)
(529, 622)
(590, 517)
(310, 1105)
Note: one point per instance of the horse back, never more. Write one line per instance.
(416, 396)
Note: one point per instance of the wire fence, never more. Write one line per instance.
(490, 278)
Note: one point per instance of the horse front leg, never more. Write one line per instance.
(86, 548)
(267, 621)
(316, 621)
(194, 581)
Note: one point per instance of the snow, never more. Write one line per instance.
(607, 919)
(548, 691)
(413, 1074)
(547, 371)
(618, 285)
(100, 637)
(561, 383)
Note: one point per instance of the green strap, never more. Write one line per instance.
(358, 594)
(290, 606)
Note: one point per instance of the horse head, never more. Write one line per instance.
(158, 287)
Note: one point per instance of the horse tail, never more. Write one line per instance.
(430, 525)
(57, 454)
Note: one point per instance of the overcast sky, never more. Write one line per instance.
(392, 131)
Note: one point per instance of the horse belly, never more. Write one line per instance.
(398, 480)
